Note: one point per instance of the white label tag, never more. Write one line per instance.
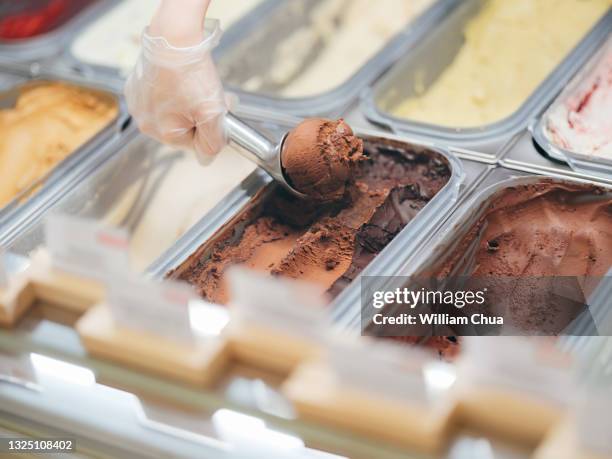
(292, 306)
(86, 247)
(391, 369)
(593, 424)
(3, 274)
(17, 371)
(160, 308)
(535, 365)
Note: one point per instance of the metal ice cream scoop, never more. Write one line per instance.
(256, 147)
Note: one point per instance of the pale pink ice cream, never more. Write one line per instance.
(581, 120)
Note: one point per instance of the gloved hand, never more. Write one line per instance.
(175, 94)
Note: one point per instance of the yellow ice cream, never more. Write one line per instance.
(49, 121)
(510, 48)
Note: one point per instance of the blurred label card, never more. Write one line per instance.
(86, 247)
(536, 365)
(593, 420)
(3, 273)
(379, 367)
(161, 308)
(17, 371)
(289, 305)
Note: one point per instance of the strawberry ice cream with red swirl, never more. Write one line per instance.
(580, 121)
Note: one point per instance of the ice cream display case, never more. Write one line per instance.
(34, 29)
(312, 57)
(576, 128)
(54, 130)
(446, 87)
(152, 306)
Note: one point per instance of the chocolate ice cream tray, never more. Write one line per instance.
(39, 192)
(496, 181)
(427, 60)
(580, 162)
(294, 24)
(449, 234)
(53, 41)
(246, 205)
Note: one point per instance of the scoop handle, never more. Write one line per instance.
(254, 146)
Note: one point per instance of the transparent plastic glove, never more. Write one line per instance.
(175, 94)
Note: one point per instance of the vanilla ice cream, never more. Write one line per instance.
(344, 34)
(114, 39)
(172, 196)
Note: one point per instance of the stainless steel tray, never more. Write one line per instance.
(580, 162)
(14, 215)
(522, 154)
(407, 241)
(53, 42)
(254, 54)
(432, 55)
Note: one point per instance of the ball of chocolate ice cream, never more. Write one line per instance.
(318, 157)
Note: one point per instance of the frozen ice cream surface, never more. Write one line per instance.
(344, 33)
(510, 48)
(318, 158)
(531, 244)
(581, 121)
(325, 244)
(178, 192)
(114, 39)
(50, 120)
(546, 229)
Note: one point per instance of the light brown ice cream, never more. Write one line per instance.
(318, 157)
(48, 123)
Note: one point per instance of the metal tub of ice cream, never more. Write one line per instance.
(398, 196)
(577, 127)
(154, 192)
(471, 85)
(108, 47)
(53, 128)
(312, 57)
(516, 226)
(36, 29)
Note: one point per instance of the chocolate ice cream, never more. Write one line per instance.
(540, 251)
(325, 244)
(318, 157)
